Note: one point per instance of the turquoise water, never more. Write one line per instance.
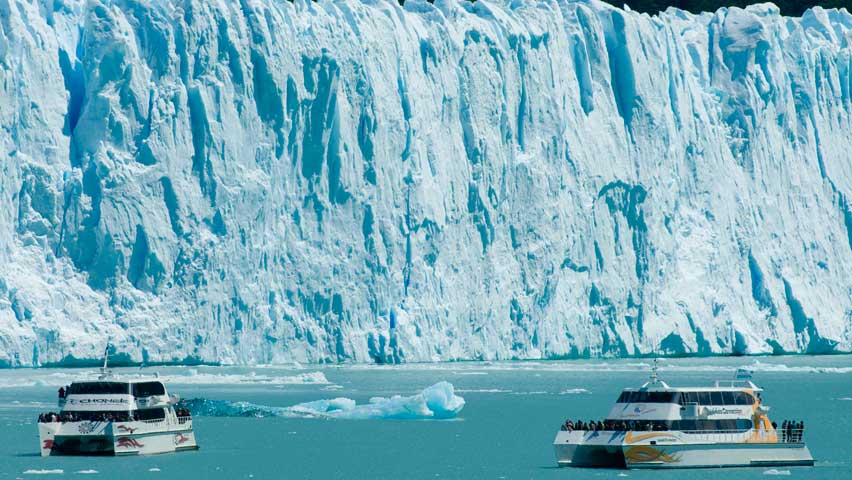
(505, 430)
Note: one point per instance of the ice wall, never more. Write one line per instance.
(267, 181)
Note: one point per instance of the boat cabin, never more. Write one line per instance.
(116, 401)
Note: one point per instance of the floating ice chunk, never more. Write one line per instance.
(155, 469)
(56, 471)
(86, 472)
(571, 391)
(196, 378)
(438, 401)
(484, 390)
(773, 471)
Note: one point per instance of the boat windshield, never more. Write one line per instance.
(98, 388)
(148, 389)
(684, 398)
(649, 397)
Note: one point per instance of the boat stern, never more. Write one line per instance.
(589, 449)
(46, 435)
(565, 445)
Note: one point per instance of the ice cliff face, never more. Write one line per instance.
(266, 181)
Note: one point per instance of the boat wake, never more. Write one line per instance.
(436, 402)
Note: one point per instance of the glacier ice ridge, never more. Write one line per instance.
(263, 181)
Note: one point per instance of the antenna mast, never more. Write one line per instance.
(105, 369)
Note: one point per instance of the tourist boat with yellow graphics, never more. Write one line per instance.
(110, 415)
(659, 426)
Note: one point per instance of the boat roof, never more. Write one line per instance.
(719, 386)
(118, 380)
(124, 378)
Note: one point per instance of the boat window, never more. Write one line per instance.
(716, 398)
(704, 398)
(744, 398)
(623, 397)
(97, 416)
(634, 397)
(150, 414)
(711, 425)
(691, 397)
(728, 398)
(147, 389)
(98, 388)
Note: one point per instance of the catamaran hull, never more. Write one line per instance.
(609, 450)
(717, 455)
(100, 438)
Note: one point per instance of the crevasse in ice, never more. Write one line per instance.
(271, 181)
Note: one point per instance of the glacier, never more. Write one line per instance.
(264, 181)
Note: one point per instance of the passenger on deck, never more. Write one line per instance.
(61, 392)
(601, 426)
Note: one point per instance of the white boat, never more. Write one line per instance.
(110, 415)
(658, 426)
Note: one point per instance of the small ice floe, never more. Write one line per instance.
(154, 469)
(484, 390)
(86, 472)
(773, 471)
(194, 377)
(56, 471)
(622, 474)
(572, 391)
(847, 399)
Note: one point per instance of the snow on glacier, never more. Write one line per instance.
(265, 181)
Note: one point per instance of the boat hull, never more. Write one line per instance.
(114, 439)
(666, 450)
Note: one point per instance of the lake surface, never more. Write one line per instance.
(505, 430)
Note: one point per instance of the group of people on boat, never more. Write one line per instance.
(87, 417)
(49, 417)
(792, 431)
(611, 425)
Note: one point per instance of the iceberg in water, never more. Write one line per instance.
(436, 402)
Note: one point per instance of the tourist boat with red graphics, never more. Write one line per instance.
(658, 426)
(109, 415)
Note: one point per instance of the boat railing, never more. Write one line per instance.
(794, 435)
(791, 435)
(153, 421)
(724, 435)
(184, 419)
